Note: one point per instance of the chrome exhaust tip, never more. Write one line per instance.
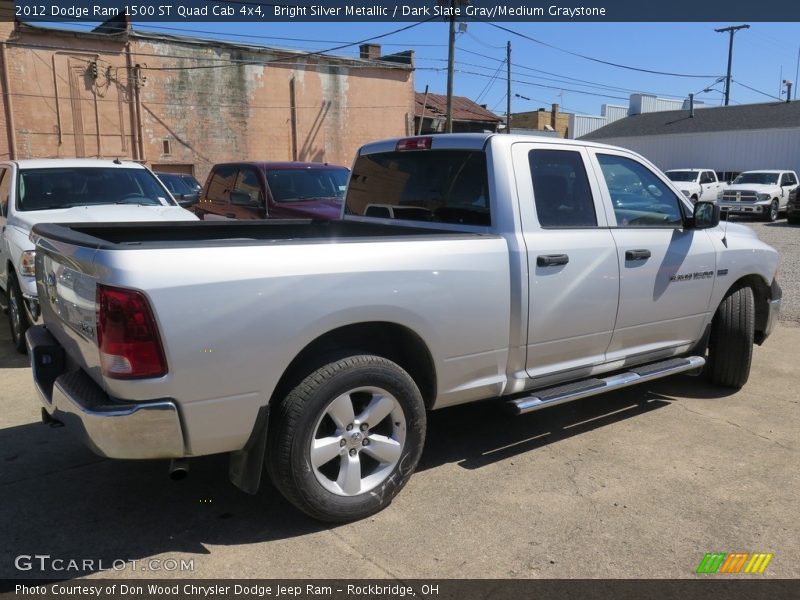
(178, 469)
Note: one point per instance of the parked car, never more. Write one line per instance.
(760, 193)
(60, 191)
(181, 189)
(696, 184)
(793, 208)
(273, 190)
(519, 281)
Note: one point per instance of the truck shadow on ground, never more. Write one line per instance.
(61, 500)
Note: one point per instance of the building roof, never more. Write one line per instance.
(464, 109)
(772, 115)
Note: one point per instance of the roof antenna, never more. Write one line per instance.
(117, 161)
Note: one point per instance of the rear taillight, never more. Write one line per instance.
(414, 143)
(127, 336)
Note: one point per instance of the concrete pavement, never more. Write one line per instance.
(640, 483)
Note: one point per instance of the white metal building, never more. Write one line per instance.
(581, 125)
(726, 139)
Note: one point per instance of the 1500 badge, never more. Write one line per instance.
(690, 276)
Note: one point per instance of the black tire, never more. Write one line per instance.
(793, 220)
(299, 418)
(17, 317)
(694, 199)
(774, 211)
(730, 346)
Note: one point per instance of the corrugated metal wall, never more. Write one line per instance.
(582, 124)
(721, 151)
(614, 112)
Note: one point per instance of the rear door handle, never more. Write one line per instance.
(551, 260)
(637, 254)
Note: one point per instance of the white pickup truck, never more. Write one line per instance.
(696, 184)
(764, 194)
(60, 191)
(529, 273)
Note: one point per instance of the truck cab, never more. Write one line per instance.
(273, 190)
(696, 184)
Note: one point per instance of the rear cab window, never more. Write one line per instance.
(561, 189)
(436, 186)
(221, 183)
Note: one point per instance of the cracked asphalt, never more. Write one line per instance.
(637, 484)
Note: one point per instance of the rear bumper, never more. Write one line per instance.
(111, 428)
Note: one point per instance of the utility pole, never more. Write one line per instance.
(508, 91)
(451, 51)
(731, 30)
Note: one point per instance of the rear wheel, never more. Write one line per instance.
(346, 440)
(730, 346)
(17, 318)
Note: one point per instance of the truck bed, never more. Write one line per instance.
(118, 236)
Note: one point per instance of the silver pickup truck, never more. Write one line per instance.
(528, 270)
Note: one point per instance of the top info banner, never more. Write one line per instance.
(408, 11)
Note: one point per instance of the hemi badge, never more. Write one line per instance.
(722, 272)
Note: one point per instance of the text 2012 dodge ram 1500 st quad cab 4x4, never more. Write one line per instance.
(534, 273)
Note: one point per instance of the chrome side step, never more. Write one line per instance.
(591, 387)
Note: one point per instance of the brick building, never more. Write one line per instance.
(542, 120)
(183, 104)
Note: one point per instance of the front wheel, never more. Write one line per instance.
(774, 210)
(345, 441)
(730, 347)
(17, 318)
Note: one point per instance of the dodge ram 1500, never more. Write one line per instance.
(527, 270)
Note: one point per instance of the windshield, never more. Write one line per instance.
(191, 182)
(292, 185)
(175, 184)
(444, 186)
(682, 175)
(45, 189)
(758, 178)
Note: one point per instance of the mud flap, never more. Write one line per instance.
(247, 465)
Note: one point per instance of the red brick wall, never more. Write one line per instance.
(237, 111)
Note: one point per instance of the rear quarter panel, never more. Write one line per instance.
(232, 318)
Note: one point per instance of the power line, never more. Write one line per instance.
(489, 83)
(752, 89)
(575, 79)
(597, 60)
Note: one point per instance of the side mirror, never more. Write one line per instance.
(706, 215)
(241, 199)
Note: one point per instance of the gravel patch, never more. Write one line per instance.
(785, 239)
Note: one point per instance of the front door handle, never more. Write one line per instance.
(637, 254)
(551, 260)
(230, 215)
